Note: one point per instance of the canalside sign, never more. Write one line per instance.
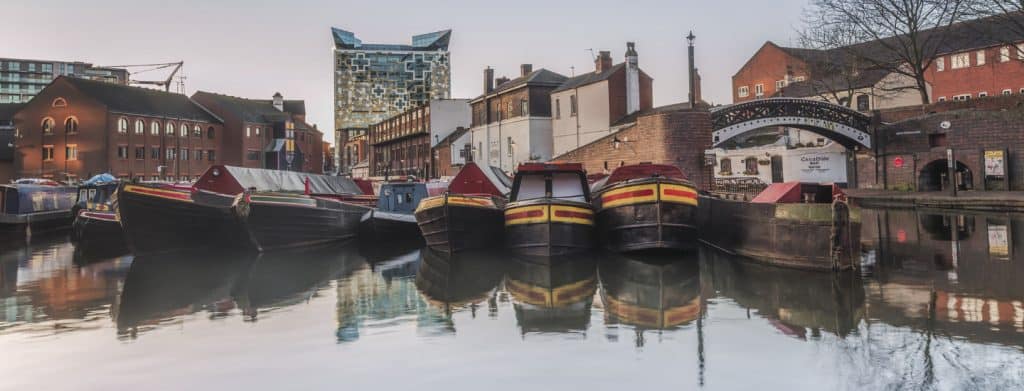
(995, 163)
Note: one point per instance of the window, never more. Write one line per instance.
(197, 131)
(940, 64)
(172, 153)
(199, 155)
(47, 125)
(122, 152)
(154, 128)
(743, 92)
(510, 146)
(1004, 54)
(184, 130)
(958, 61)
(508, 109)
(71, 125)
(140, 153)
(210, 155)
(572, 105)
(962, 98)
(821, 141)
(169, 129)
(725, 166)
(1020, 51)
(863, 103)
(209, 132)
(980, 58)
(47, 152)
(780, 84)
(248, 131)
(140, 127)
(154, 152)
(942, 99)
(71, 152)
(1007, 92)
(59, 102)
(759, 90)
(122, 126)
(983, 94)
(750, 166)
(524, 107)
(252, 155)
(257, 131)
(184, 154)
(799, 79)
(558, 109)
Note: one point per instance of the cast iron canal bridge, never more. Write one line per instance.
(839, 123)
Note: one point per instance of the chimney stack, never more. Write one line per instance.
(488, 80)
(692, 71)
(632, 80)
(501, 80)
(525, 69)
(278, 101)
(603, 61)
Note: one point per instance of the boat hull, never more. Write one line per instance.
(392, 227)
(548, 227)
(98, 232)
(803, 236)
(655, 213)
(282, 221)
(455, 223)
(157, 220)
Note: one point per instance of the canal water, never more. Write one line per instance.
(936, 305)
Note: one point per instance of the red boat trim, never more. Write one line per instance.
(680, 193)
(169, 194)
(628, 194)
(523, 215)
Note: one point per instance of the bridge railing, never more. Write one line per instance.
(740, 189)
(726, 116)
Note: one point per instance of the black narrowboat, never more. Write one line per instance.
(394, 218)
(95, 225)
(34, 206)
(644, 207)
(651, 293)
(792, 224)
(549, 211)
(469, 215)
(287, 209)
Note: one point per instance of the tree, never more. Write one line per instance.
(901, 36)
(1007, 20)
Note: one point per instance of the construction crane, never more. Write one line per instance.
(166, 83)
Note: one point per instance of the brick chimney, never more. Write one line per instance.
(500, 81)
(603, 61)
(278, 101)
(525, 69)
(488, 80)
(632, 79)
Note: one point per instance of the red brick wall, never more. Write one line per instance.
(768, 65)
(993, 77)
(147, 166)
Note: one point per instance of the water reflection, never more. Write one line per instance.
(552, 294)
(650, 293)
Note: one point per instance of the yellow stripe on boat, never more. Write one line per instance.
(532, 214)
(161, 193)
(430, 203)
(470, 201)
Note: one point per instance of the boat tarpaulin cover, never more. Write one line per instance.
(777, 193)
(24, 199)
(473, 179)
(277, 181)
(101, 178)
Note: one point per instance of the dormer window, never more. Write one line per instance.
(59, 102)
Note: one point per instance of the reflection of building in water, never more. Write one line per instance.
(383, 296)
(951, 274)
(553, 295)
(793, 301)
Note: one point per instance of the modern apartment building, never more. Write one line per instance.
(21, 79)
(374, 82)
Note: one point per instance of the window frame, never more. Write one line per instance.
(140, 126)
(71, 125)
(758, 90)
(743, 91)
(960, 61)
(71, 152)
(122, 125)
(940, 64)
(47, 152)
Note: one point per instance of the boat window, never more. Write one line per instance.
(567, 186)
(92, 194)
(83, 195)
(531, 187)
(408, 197)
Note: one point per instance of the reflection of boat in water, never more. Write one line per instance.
(286, 277)
(552, 294)
(792, 300)
(452, 281)
(657, 293)
(168, 285)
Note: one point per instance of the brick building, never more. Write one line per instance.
(401, 145)
(266, 133)
(452, 152)
(590, 106)
(512, 119)
(75, 128)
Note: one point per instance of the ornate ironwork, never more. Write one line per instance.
(774, 108)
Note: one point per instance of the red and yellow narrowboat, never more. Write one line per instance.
(646, 206)
(549, 211)
(469, 215)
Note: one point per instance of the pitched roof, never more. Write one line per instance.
(255, 110)
(865, 79)
(140, 101)
(589, 78)
(540, 77)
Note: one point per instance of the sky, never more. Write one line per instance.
(253, 48)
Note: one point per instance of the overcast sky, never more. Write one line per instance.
(252, 48)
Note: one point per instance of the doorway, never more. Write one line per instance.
(777, 169)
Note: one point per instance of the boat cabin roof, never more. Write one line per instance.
(566, 181)
(639, 171)
(549, 167)
(797, 192)
(476, 179)
(234, 180)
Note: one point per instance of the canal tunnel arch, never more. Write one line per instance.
(934, 176)
(841, 124)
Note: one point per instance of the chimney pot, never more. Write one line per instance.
(603, 61)
(525, 69)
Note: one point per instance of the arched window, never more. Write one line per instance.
(71, 125)
(122, 125)
(725, 166)
(750, 166)
(184, 130)
(169, 129)
(47, 125)
(154, 128)
(59, 102)
(209, 132)
(140, 127)
(197, 131)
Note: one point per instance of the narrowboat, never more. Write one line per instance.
(281, 209)
(549, 211)
(33, 206)
(645, 207)
(160, 218)
(450, 282)
(469, 215)
(95, 225)
(792, 224)
(394, 217)
(552, 294)
(650, 293)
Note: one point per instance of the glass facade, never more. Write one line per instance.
(21, 79)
